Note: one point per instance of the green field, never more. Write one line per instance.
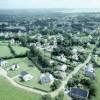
(9, 92)
(23, 63)
(24, 66)
(20, 50)
(97, 84)
(84, 38)
(4, 43)
(5, 51)
(98, 60)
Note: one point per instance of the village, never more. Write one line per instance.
(50, 57)
(43, 63)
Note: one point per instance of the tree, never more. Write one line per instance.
(71, 83)
(60, 96)
(55, 85)
(85, 82)
(46, 97)
(92, 91)
(23, 40)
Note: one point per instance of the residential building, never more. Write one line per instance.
(79, 94)
(46, 78)
(25, 76)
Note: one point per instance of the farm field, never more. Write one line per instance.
(5, 51)
(5, 43)
(9, 92)
(20, 50)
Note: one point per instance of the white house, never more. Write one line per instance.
(88, 44)
(49, 48)
(3, 62)
(81, 49)
(26, 76)
(12, 41)
(60, 74)
(46, 78)
(60, 36)
(96, 57)
(61, 57)
(62, 67)
(74, 51)
(38, 36)
(14, 67)
(90, 36)
(51, 61)
(75, 56)
(89, 71)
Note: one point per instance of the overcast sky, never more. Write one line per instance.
(21, 4)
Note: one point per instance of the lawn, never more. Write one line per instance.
(97, 84)
(20, 50)
(84, 38)
(23, 63)
(24, 66)
(4, 43)
(9, 92)
(98, 60)
(5, 51)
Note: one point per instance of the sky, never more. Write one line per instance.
(30, 4)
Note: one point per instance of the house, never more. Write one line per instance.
(90, 36)
(75, 63)
(96, 57)
(89, 71)
(81, 50)
(25, 76)
(60, 74)
(46, 78)
(51, 62)
(62, 67)
(75, 56)
(79, 94)
(60, 36)
(61, 57)
(74, 51)
(14, 67)
(49, 48)
(12, 41)
(3, 62)
(38, 36)
(88, 44)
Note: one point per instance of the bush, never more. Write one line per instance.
(60, 96)
(55, 85)
(46, 97)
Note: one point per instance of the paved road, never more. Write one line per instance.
(53, 94)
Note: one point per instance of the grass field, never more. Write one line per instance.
(4, 43)
(23, 63)
(5, 51)
(97, 84)
(84, 38)
(24, 66)
(98, 60)
(9, 92)
(20, 50)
